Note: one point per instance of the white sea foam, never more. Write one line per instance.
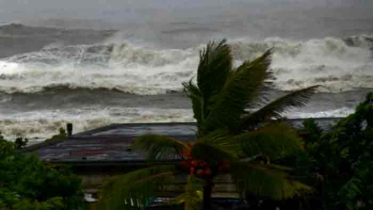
(39, 125)
(336, 64)
(9, 68)
(341, 112)
(124, 67)
(329, 62)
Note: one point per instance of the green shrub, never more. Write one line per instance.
(342, 158)
(27, 183)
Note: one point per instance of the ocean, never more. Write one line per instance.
(97, 71)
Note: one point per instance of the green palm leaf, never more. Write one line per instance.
(272, 141)
(194, 194)
(223, 141)
(197, 101)
(213, 69)
(159, 147)
(177, 201)
(192, 198)
(241, 89)
(266, 180)
(134, 190)
(210, 154)
(274, 109)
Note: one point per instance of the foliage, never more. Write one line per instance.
(62, 135)
(21, 142)
(159, 147)
(343, 158)
(27, 183)
(140, 186)
(231, 140)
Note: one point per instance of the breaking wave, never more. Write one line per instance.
(336, 64)
(124, 67)
(40, 125)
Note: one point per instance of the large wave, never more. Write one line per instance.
(40, 125)
(336, 64)
(125, 67)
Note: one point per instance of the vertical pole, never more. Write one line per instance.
(207, 192)
(69, 128)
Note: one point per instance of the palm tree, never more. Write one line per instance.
(231, 139)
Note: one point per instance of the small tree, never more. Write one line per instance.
(26, 182)
(347, 175)
(230, 139)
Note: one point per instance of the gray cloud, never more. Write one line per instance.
(296, 18)
(13, 10)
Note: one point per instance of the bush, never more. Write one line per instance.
(28, 183)
(343, 158)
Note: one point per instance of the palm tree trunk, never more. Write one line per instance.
(207, 192)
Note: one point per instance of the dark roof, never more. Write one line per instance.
(110, 144)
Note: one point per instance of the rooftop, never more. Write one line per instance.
(110, 144)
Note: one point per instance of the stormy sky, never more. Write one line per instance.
(193, 19)
(116, 10)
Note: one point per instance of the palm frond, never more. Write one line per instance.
(192, 198)
(241, 89)
(221, 139)
(197, 101)
(274, 109)
(179, 200)
(194, 194)
(266, 180)
(210, 153)
(159, 147)
(273, 141)
(213, 69)
(134, 190)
